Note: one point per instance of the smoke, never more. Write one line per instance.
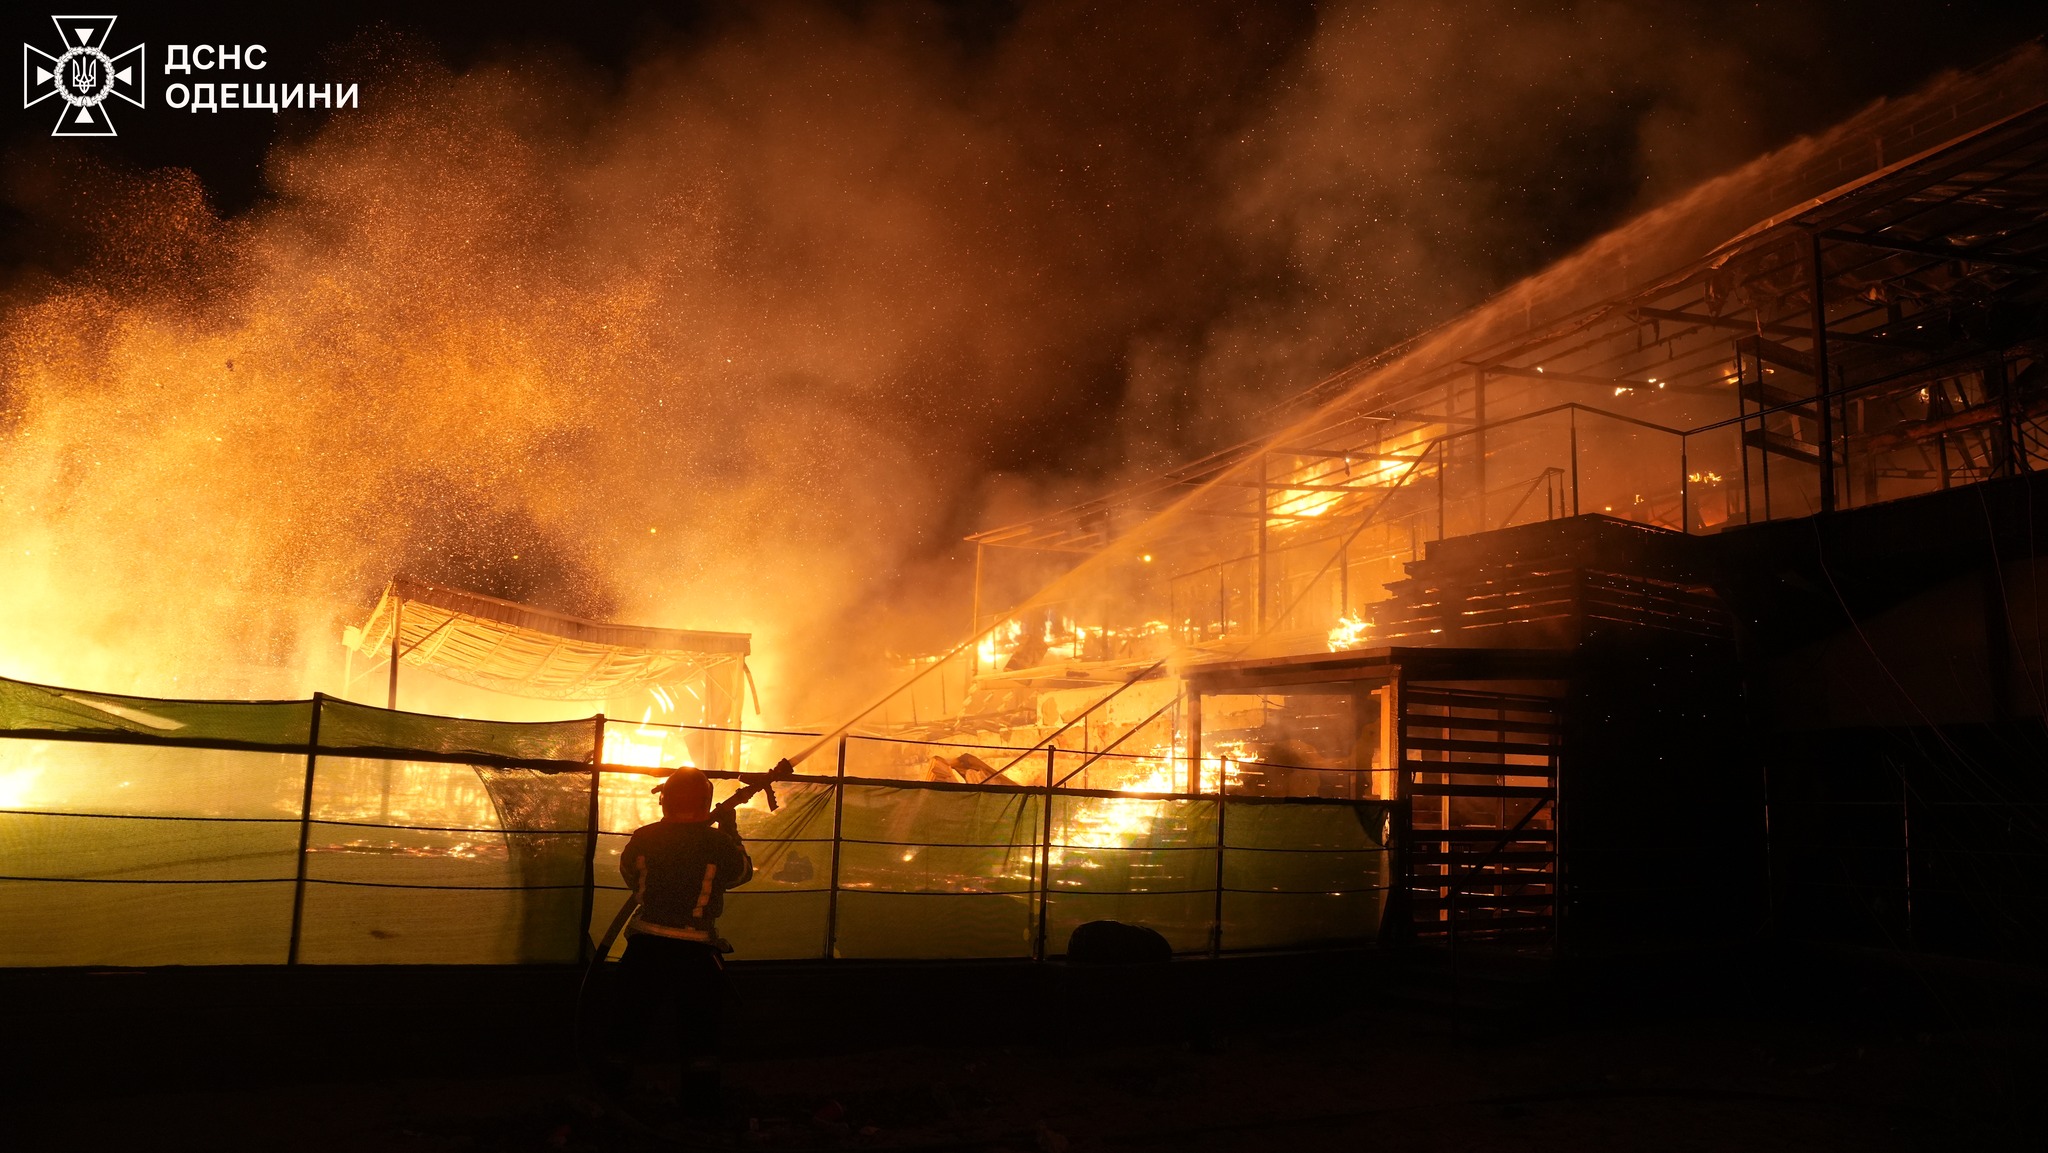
(744, 338)
(1414, 159)
(724, 346)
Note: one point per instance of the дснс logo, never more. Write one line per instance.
(83, 76)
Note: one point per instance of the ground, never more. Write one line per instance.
(1471, 1069)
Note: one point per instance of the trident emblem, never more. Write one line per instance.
(83, 75)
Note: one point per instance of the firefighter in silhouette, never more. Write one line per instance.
(679, 868)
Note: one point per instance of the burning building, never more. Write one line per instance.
(1689, 583)
(1686, 584)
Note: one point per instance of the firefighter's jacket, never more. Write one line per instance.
(681, 871)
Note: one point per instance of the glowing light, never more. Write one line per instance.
(18, 785)
(644, 746)
(1349, 633)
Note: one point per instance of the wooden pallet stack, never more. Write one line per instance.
(1481, 772)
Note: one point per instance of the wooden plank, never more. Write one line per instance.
(1523, 840)
(1428, 694)
(1486, 618)
(1472, 903)
(1510, 792)
(1481, 724)
(1462, 859)
(1426, 896)
(1549, 749)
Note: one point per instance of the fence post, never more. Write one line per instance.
(291, 955)
(1222, 796)
(1045, 856)
(584, 945)
(832, 891)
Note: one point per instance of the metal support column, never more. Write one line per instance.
(397, 619)
(1400, 916)
(1574, 448)
(1045, 857)
(838, 823)
(1742, 441)
(1479, 443)
(1265, 499)
(974, 618)
(291, 955)
(585, 946)
(1822, 389)
(2012, 447)
(1222, 600)
(1684, 487)
(1443, 464)
(1222, 802)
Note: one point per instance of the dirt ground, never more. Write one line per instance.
(1416, 1076)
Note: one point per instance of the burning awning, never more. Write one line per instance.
(526, 651)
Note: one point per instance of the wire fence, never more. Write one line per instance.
(143, 832)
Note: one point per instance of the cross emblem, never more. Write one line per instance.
(83, 75)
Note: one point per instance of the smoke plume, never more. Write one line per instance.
(744, 337)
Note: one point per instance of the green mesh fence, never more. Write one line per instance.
(1300, 873)
(135, 831)
(1142, 860)
(119, 854)
(348, 727)
(27, 710)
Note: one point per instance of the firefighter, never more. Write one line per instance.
(680, 868)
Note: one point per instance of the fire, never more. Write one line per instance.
(636, 748)
(1349, 633)
(1102, 823)
(1158, 777)
(645, 746)
(1123, 822)
(1325, 487)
